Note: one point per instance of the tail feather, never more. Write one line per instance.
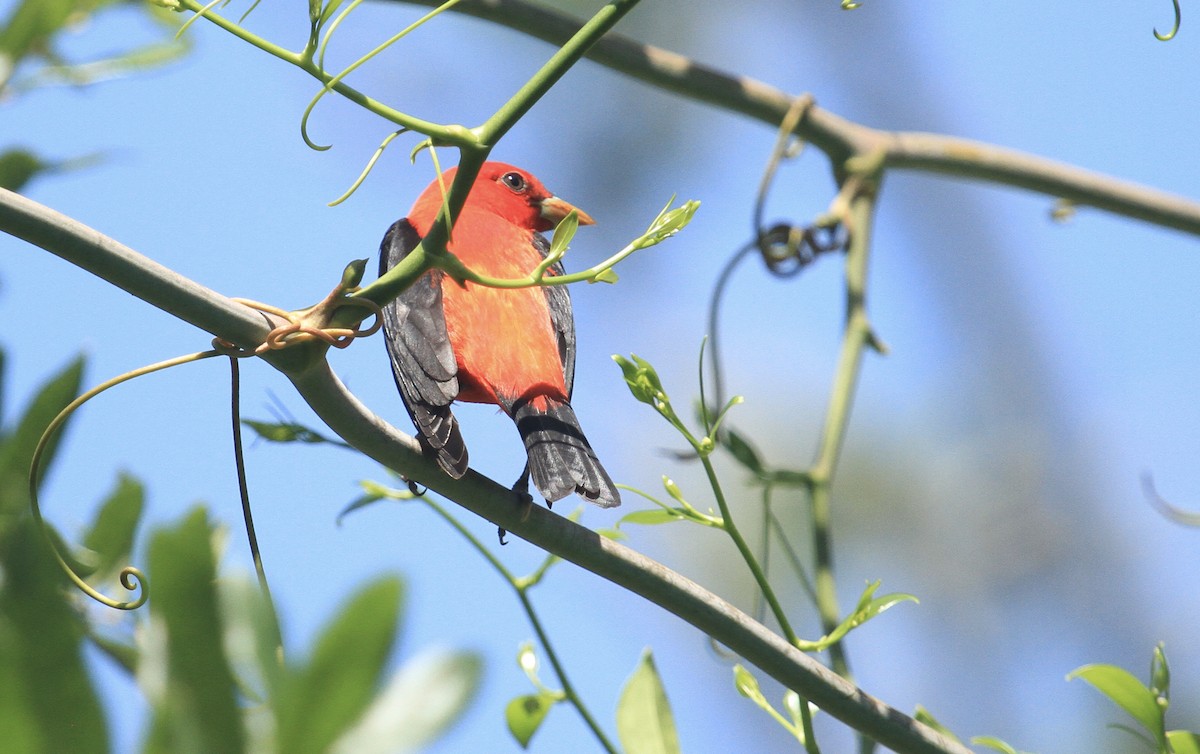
(560, 459)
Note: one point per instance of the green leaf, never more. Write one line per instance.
(1160, 673)
(527, 660)
(328, 11)
(923, 715)
(993, 743)
(645, 724)
(199, 711)
(18, 167)
(17, 443)
(32, 30)
(3, 369)
(791, 702)
(653, 516)
(362, 501)
(252, 640)
(880, 604)
(321, 699)
(637, 385)
(123, 654)
(673, 490)
(31, 25)
(146, 57)
(868, 607)
(111, 534)
(424, 698)
(647, 372)
(643, 382)
(284, 432)
(564, 232)
(47, 702)
(668, 223)
(605, 276)
(747, 685)
(789, 478)
(524, 715)
(742, 451)
(1127, 692)
(353, 274)
(1184, 742)
(373, 492)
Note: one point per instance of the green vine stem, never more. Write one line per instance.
(760, 577)
(861, 189)
(568, 54)
(474, 144)
(304, 61)
(764, 588)
(521, 586)
(667, 223)
(477, 143)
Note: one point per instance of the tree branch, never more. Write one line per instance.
(840, 138)
(354, 423)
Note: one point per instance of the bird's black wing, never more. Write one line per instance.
(561, 316)
(423, 363)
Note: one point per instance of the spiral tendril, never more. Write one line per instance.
(328, 86)
(369, 167)
(1174, 29)
(1165, 507)
(786, 249)
(130, 577)
(196, 16)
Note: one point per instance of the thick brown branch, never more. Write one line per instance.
(345, 415)
(838, 137)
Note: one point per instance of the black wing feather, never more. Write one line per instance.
(423, 362)
(559, 299)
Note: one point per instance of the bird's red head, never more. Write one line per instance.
(504, 190)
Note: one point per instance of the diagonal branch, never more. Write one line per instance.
(840, 138)
(345, 415)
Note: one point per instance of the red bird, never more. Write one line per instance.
(514, 348)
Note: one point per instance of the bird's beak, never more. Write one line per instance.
(555, 209)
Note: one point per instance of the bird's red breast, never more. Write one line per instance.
(504, 340)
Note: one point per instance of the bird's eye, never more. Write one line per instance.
(515, 181)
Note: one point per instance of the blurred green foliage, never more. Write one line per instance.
(207, 657)
(34, 54)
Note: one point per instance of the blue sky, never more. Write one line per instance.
(1037, 369)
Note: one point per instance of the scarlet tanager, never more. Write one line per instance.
(514, 348)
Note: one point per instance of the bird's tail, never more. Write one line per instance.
(560, 459)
